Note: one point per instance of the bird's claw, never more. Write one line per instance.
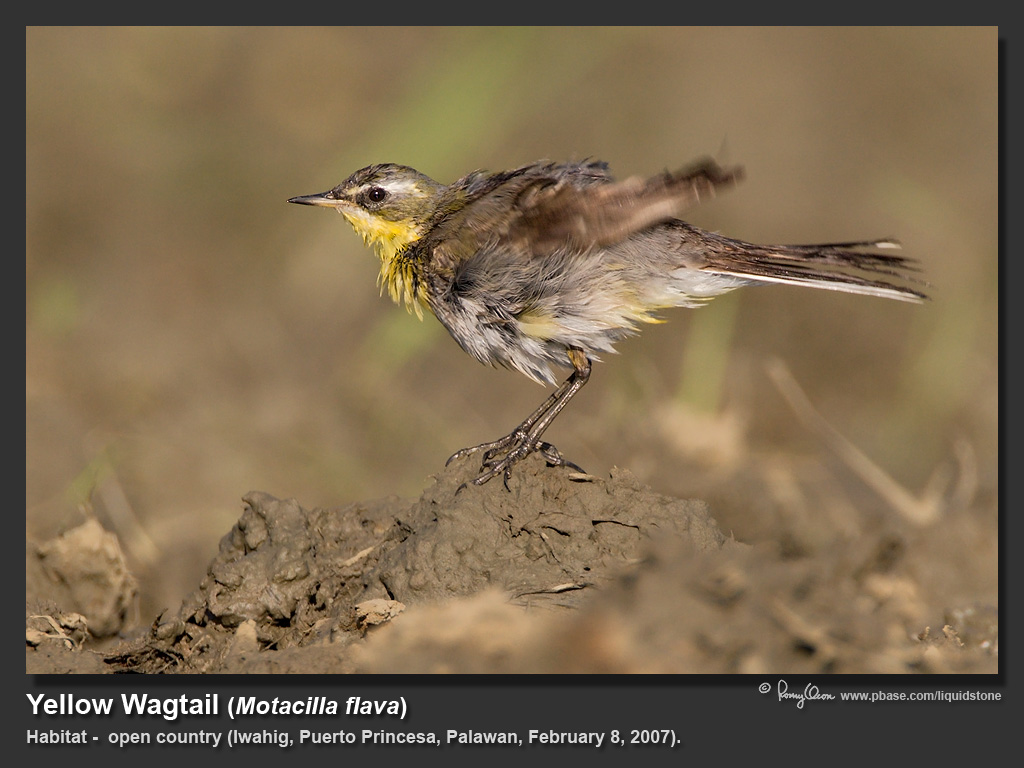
(491, 467)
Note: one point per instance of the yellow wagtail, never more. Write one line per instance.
(553, 263)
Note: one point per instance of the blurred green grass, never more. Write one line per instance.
(182, 318)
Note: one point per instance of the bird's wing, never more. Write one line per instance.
(552, 213)
(541, 208)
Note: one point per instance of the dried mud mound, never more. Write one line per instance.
(287, 577)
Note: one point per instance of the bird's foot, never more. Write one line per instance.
(519, 445)
(517, 436)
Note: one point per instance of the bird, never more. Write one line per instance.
(548, 265)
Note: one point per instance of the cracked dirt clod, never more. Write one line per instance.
(299, 574)
(87, 573)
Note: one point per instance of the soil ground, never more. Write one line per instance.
(563, 572)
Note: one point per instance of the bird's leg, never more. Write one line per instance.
(517, 435)
(525, 439)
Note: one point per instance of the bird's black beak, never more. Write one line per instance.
(323, 199)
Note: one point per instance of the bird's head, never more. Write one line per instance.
(389, 205)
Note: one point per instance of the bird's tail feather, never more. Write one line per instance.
(830, 266)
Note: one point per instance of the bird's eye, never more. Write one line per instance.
(376, 194)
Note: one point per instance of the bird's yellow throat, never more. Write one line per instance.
(391, 239)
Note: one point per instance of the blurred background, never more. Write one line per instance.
(190, 337)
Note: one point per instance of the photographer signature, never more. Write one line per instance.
(810, 693)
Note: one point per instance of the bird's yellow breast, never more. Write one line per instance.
(391, 239)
